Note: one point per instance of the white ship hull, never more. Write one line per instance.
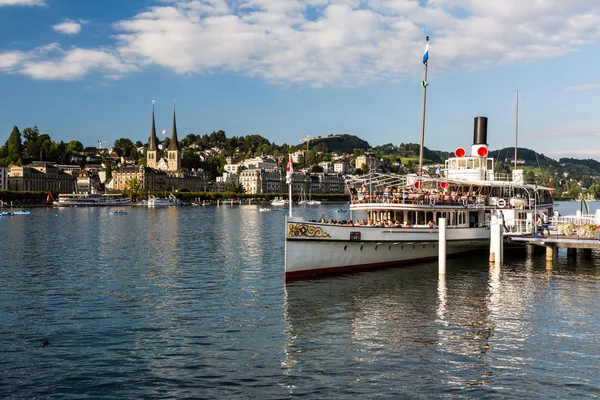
(313, 248)
(75, 200)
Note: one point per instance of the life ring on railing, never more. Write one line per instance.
(501, 203)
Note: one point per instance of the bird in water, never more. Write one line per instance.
(46, 343)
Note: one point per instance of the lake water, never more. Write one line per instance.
(190, 303)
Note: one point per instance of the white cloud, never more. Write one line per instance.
(351, 42)
(588, 86)
(22, 3)
(581, 154)
(11, 59)
(67, 27)
(334, 42)
(52, 62)
(569, 131)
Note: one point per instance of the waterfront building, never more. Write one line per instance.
(40, 176)
(223, 182)
(260, 181)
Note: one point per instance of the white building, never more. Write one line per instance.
(297, 158)
(260, 163)
(327, 166)
(341, 167)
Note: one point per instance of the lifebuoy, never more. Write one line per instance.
(517, 178)
(501, 203)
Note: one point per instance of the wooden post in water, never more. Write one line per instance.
(501, 241)
(493, 238)
(549, 253)
(442, 246)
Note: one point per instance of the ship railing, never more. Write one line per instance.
(519, 226)
(574, 219)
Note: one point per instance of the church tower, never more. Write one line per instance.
(152, 153)
(174, 153)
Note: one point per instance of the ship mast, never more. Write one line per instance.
(517, 130)
(424, 84)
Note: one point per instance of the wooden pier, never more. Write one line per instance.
(553, 242)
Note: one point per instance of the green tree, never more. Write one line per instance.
(133, 187)
(236, 188)
(14, 147)
(108, 171)
(31, 146)
(74, 146)
(127, 147)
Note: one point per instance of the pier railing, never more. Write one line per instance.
(575, 219)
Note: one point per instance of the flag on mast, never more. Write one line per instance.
(289, 169)
(426, 53)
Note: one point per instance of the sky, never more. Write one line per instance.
(288, 69)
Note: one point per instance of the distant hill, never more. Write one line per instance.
(530, 157)
(343, 144)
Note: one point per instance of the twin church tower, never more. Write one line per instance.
(174, 153)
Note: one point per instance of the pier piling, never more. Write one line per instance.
(442, 246)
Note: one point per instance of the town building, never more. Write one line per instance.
(40, 176)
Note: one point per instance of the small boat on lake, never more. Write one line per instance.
(6, 214)
(118, 212)
(279, 201)
(21, 212)
(154, 201)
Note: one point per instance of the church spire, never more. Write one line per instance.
(174, 144)
(173, 151)
(153, 142)
(152, 152)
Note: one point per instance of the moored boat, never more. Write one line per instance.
(279, 201)
(394, 219)
(171, 200)
(92, 199)
(397, 216)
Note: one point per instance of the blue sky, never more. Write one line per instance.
(285, 69)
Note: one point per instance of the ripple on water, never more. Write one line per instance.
(190, 302)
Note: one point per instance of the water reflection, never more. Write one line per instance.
(466, 329)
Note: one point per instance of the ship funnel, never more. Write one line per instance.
(479, 147)
(480, 130)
